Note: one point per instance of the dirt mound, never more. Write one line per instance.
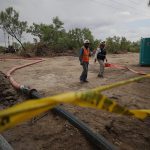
(122, 130)
(8, 95)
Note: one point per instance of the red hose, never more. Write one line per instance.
(124, 67)
(12, 70)
(33, 58)
(38, 60)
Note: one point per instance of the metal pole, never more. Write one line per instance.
(4, 145)
(8, 41)
(4, 37)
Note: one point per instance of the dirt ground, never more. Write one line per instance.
(61, 74)
(8, 95)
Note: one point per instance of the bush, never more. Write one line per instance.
(2, 49)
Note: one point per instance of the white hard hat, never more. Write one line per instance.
(86, 41)
(103, 42)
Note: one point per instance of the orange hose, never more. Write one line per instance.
(12, 70)
(33, 58)
(124, 67)
(38, 60)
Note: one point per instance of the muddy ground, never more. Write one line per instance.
(61, 74)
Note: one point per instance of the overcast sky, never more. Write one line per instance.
(129, 18)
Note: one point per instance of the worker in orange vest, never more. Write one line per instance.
(84, 60)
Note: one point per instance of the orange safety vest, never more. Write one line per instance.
(85, 56)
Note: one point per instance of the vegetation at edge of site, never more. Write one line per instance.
(53, 37)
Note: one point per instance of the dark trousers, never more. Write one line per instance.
(83, 76)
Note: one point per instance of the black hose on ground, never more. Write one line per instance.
(98, 141)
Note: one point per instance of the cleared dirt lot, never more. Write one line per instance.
(61, 74)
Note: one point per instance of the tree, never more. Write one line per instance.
(57, 38)
(77, 36)
(96, 44)
(48, 33)
(35, 30)
(109, 45)
(53, 34)
(9, 22)
(58, 24)
(59, 32)
(113, 44)
(121, 44)
(124, 44)
(135, 46)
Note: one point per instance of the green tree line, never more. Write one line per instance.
(54, 36)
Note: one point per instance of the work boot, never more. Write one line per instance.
(100, 76)
(86, 81)
(81, 81)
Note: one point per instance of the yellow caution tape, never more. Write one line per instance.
(91, 98)
(110, 86)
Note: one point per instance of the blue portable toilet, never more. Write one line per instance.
(145, 51)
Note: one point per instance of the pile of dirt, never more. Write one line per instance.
(42, 50)
(122, 130)
(8, 95)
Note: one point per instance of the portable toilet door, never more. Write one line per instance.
(145, 51)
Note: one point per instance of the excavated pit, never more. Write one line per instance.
(8, 95)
